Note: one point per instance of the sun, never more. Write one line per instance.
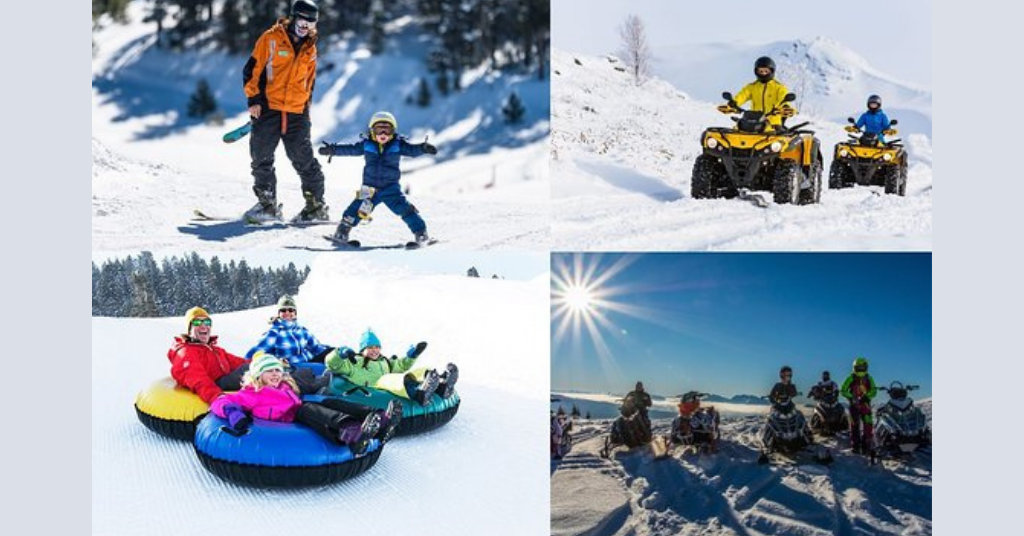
(579, 298)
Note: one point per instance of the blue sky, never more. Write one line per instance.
(725, 323)
(895, 37)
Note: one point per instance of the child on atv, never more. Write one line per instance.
(859, 389)
(765, 94)
(874, 121)
(382, 151)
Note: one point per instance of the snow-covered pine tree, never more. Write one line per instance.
(202, 104)
(513, 109)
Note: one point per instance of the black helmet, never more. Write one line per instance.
(785, 369)
(305, 9)
(639, 386)
(764, 61)
(825, 376)
(875, 99)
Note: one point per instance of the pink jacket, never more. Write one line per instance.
(268, 403)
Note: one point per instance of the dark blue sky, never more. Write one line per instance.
(726, 322)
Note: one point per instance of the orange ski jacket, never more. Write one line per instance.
(277, 76)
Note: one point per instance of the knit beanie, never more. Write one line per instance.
(262, 362)
(369, 338)
(192, 314)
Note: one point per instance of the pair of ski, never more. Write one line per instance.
(199, 215)
(355, 244)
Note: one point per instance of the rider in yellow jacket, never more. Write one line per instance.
(766, 93)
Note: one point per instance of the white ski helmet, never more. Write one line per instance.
(384, 117)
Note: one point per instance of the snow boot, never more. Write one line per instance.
(389, 420)
(446, 387)
(426, 388)
(314, 211)
(358, 436)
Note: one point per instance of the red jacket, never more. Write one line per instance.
(268, 403)
(196, 366)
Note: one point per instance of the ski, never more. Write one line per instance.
(418, 245)
(354, 244)
(238, 133)
(201, 216)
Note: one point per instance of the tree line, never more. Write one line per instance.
(142, 287)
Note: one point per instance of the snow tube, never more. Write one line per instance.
(169, 410)
(276, 454)
(415, 418)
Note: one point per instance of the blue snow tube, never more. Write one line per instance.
(416, 419)
(276, 454)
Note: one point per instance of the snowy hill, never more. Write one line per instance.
(146, 484)
(487, 187)
(621, 160)
(729, 493)
(831, 81)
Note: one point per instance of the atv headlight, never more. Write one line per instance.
(712, 143)
(776, 147)
(887, 157)
(844, 153)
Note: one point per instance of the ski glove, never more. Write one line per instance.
(237, 418)
(415, 350)
(787, 111)
(429, 149)
(347, 353)
(327, 149)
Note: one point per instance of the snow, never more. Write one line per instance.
(478, 474)
(729, 493)
(487, 188)
(622, 156)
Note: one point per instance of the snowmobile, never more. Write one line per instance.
(786, 432)
(901, 427)
(755, 155)
(696, 427)
(829, 416)
(631, 428)
(866, 161)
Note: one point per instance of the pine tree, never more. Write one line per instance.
(202, 103)
(513, 109)
(442, 83)
(472, 272)
(423, 95)
(575, 410)
(376, 39)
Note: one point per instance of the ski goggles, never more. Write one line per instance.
(286, 310)
(383, 128)
(305, 24)
(860, 368)
(202, 322)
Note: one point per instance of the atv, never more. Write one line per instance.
(756, 155)
(901, 427)
(829, 416)
(865, 160)
(631, 428)
(696, 427)
(786, 432)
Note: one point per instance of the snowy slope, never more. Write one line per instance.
(831, 80)
(146, 484)
(621, 162)
(728, 493)
(487, 188)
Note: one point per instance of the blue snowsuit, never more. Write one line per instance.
(382, 172)
(875, 122)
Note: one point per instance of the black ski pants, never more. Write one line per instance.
(293, 129)
(327, 421)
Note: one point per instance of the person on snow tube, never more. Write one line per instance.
(859, 388)
(270, 394)
(293, 344)
(874, 121)
(198, 364)
(370, 368)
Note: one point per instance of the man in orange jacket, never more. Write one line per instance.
(278, 81)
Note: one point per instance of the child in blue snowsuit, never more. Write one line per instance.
(874, 121)
(383, 151)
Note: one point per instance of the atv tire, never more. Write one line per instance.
(786, 183)
(812, 195)
(707, 171)
(893, 180)
(839, 176)
(903, 176)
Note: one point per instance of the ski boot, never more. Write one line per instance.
(448, 378)
(422, 239)
(314, 211)
(341, 234)
(265, 209)
(358, 437)
(426, 388)
(389, 420)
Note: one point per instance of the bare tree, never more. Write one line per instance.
(635, 51)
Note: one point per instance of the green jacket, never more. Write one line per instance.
(364, 371)
(855, 387)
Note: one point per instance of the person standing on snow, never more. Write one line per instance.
(859, 389)
(766, 93)
(874, 121)
(278, 81)
(383, 152)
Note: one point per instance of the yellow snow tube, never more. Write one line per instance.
(170, 410)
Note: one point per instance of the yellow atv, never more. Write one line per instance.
(865, 160)
(756, 155)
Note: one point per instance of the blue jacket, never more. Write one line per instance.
(288, 340)
(381, 169)
(874, 122)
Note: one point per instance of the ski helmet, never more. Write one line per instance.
(639, 386)
(764, 61)
(825, 376)
(875, 99)
(384, 117)
(860, 366)
(786, 369)
(304, 9)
